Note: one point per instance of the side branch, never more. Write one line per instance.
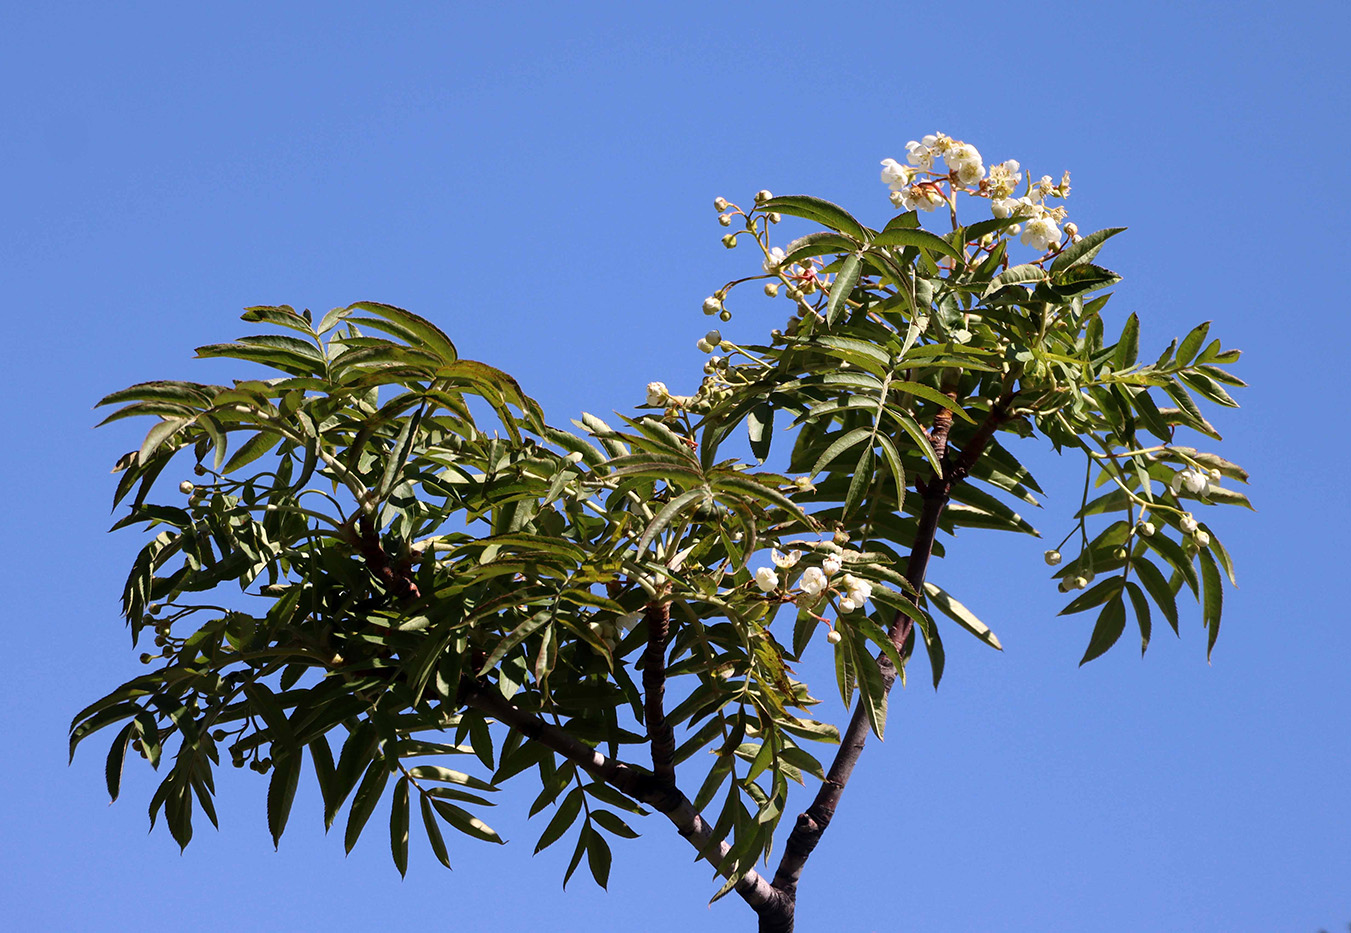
(812, 823)
(627, 779)
(659, 733)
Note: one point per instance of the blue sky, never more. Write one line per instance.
(539, 181)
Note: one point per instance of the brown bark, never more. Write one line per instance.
(659, 733)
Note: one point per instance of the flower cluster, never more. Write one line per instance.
(815, 581)
(918, 186)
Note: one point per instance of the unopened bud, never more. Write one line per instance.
(834, 637)
(771, 289)
(720, 204)
(729, 241)
(1145, 528)
(714, 337)
(1052, 558)
(762, 195)
(703, 345)
(725, 316)
(725, 219)
(1072, 229)
(712, 305)
(186, 488)
(1202, 539)
(1119, 553)
(774, 217)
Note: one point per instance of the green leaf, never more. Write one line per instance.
(1191, 344)
(1128, 347)
(563, 817)
(398, 826)
(1213, 603)
(842, 288)
(1111, 623)
(1158, 588)
(158, 435)
(961, 615)
(860, 481)
(363, 804)
(282, 316)
(821, 211)
(1084, 250)
(466, 822)
(434, 837)
(598, 858)
(112, 768)
(872, 692)
(428, 336)
(817, 244)
(668, 513)
(613, 823)
(839, 446)
(760, 424)
(1096, 596)
(921, 239)
(1141, 605)
(281, 791)
(1017, 275)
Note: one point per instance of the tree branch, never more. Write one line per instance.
(659, 733)
(627, 779)
(812, 823)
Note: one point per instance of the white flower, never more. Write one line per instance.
(1015, 229)
(766, 579)
(831, 566)
(1003, 207)
(919, 154)
(785, 561)
(859, 590)
(1041, 234)
(813, 581)
(1188, 523)
(923, 197)
(1193, 481)
(1004, 179)
(773, 260)
(894, 174)
(965, 161)
(656, 393)
(847, 604)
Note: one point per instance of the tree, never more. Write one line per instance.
(540, 601)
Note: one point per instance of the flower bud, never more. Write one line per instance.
(703, 345)
(847, 604)
(712, 305)
(729, 241)
(720, 204)
(1087, 576)
(774, 217)
(1079, 583)
(834, 637)
(714, 337)
(186, 488)
(831, 566)
(1202, 539)
(794, 292)
(725, 219)
(1188, 523)
(146, 659)
(1216, 475)
(771, 289)
(1145, 528)
(1052, 558)
(725, 316)
(762, 195)
(766, 579)
(1119, 553)
(1072, 228)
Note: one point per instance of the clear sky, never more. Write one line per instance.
(538, 179)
